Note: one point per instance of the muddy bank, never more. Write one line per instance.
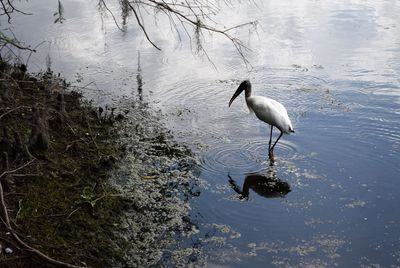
(88, 186)
(158, 177)
(56, 155)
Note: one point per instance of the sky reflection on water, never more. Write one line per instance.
(338, 73)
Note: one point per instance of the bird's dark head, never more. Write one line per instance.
(244, 86)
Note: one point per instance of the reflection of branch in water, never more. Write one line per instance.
(184, 17)
(139, 78)
(269, 185)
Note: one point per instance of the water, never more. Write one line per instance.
(334, 65)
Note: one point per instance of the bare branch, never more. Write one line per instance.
(6, 11)
(253, 23)
(198, 25)
(15, 9)
(9, 8)
(196, 13)
(4, 41)
(142, 27)
(111, 13)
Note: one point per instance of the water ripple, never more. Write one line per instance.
(243, 156)
(230, 157)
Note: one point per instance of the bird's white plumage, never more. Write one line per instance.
(271, 112)
(268, 110)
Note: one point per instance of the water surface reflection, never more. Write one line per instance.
(266, 185)
(337, 72)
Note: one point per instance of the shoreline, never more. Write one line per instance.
(85, 185)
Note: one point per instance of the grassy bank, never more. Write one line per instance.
(56, 155)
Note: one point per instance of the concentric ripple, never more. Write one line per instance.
(243, 156)
(230, 157)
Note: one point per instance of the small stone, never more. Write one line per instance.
(8, 250)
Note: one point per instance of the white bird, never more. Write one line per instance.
(268, 110)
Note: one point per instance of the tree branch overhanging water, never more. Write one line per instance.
(190, 17)
(195, 14)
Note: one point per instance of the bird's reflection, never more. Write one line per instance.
(266, 185)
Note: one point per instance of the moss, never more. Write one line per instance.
(62, 203)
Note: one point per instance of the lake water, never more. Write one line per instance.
(331, 198)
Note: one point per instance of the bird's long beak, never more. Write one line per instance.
(237, 93)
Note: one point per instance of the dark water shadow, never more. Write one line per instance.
(267, 185)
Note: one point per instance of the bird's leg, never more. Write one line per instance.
(271, 161)
(271, 151)
(271, 156)
(270, 138)
(273, 146)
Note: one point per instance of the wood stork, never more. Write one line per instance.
(268, 110)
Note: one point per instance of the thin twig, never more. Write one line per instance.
(7, 41)
(112, 15)
(142, 27)
(15, 170)
(16, 237)
(241, 25)
(91, 136)
(15, 9)
(34, 50)
(197, 24)
(26, 175)
(6, 11)
(12, 110)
